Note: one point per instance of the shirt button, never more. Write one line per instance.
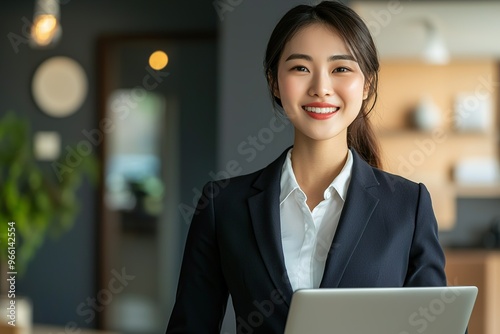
(328, 195)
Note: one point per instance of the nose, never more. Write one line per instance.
(321, 85)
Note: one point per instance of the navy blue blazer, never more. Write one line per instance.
(387, 237)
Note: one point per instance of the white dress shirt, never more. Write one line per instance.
(307, 236)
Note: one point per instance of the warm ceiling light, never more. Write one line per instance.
(158, 60)
(46, 29)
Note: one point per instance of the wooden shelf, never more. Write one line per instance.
(431, 156)
(486, 191)
(479, 268)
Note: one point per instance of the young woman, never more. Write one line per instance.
(322, 215)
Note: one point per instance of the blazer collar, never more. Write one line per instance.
(357, 211)
(265, 215)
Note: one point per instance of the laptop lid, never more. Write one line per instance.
(432, 310)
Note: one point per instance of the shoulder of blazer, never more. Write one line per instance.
(381, 184)
(363, 174)
(265, 178)
(393, 182)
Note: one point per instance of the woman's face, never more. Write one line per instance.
(320, 84)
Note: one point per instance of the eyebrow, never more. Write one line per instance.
(309, 58)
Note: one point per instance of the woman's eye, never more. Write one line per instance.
(300, 69)
(341, 70)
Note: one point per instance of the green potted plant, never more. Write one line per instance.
(34, 199)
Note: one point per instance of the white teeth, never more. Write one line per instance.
(320, 110)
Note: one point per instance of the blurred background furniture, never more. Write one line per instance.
(482, 269)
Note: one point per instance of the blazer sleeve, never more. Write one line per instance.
(426, 263)
(202, 293)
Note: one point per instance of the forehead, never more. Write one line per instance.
(317, 38)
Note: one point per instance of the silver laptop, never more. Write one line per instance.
(433, 310)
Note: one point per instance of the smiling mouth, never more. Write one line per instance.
(318, 110)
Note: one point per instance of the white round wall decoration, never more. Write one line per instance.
(59, 86)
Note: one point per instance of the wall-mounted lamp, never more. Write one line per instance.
(46, 30)
(435, 51)
(158, 60)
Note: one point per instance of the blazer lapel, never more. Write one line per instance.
(265, 215)
(358, 208)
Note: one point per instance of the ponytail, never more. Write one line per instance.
(361, 138)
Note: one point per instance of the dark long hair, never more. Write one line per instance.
(352, 29)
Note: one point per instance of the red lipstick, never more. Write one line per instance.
(320, 110)
(320, 105)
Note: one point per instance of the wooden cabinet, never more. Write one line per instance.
(7, 329)
(482, 269)
(430, 156)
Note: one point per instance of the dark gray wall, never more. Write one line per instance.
(63, 275)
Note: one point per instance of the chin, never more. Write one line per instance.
(319, 137)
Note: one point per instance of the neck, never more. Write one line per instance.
(317, 163)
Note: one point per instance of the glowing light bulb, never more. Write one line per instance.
(44, 29)
(158, 60)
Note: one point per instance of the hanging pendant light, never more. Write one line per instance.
(46, 30)
(435, 51)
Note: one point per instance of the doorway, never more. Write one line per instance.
(146, 114)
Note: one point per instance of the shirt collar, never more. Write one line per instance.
(288, 182)
(341, 182)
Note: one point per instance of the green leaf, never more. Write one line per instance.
(35, 179)
(32, 196)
